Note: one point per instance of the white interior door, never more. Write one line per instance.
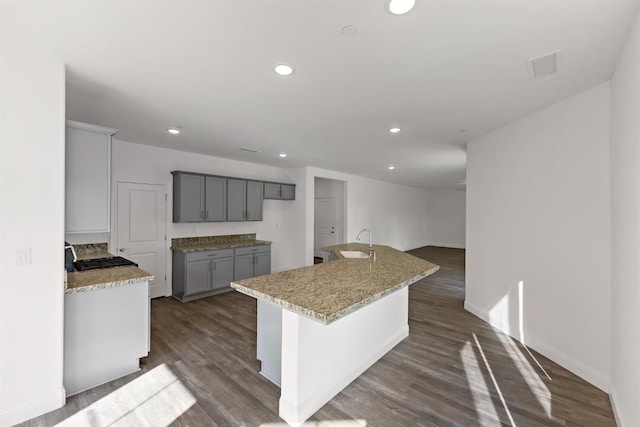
(325, 224)
(141, 230)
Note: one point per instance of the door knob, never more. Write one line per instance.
(122, 249)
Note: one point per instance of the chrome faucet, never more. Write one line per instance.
(370, 239)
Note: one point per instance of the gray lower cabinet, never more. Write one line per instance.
(252, 261)
(204, 273)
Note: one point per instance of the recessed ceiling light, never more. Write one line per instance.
(391, 167)
(283, 69)
(394, 130)
(174, 131)
(283, 155)
(400, 7)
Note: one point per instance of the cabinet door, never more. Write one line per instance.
(215, 199)
(243, 268)
(287, 192)
(87, 181)
(188, 198)
(262, 264)
(236, 199)
(271, 190)
(222, 272)
(198, 277)
(255, 193)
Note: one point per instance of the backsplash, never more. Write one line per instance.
(184, 241)
(91, 248)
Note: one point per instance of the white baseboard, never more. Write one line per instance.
(591, 376)
(617, 413)
(293, 414)
(32, 411)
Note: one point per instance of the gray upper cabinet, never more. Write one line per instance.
(244, 200)
(216, 198)
(271, 190)
(287, 192)
(236, 199)
(188, 197)
(277, 191)
(255, 196)
(208, 198)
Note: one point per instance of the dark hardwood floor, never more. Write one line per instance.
(452, 370)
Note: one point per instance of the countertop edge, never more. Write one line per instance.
(105, 285)
(324, 319)
(216, 246)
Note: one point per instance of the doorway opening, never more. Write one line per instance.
(329, 217)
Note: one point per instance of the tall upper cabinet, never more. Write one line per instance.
(87, 177)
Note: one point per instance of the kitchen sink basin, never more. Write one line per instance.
(354, 254)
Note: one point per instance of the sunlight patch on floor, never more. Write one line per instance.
(327, 423)
(478, 386)
(538, 388)
(493, 379)
(156, 398)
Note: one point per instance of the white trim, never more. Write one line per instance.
(32, 411)
(593, 377)
(91, 128)
(290, 413)
(617, 413)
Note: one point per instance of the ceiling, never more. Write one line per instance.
(445, 73)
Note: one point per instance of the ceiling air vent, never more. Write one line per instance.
(544, 65)
(250, 150)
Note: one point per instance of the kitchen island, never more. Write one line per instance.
(320, 327)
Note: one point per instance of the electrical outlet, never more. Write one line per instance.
(23, 256)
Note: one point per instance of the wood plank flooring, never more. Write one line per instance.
(452, 370)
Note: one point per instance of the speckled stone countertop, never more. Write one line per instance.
(331, 290)
(80, 281)
(209, 243)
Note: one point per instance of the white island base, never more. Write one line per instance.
(312, 362)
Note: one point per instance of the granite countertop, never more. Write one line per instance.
(331, 290)
(209, 246)
(80, 281)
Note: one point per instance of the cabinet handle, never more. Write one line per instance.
(206, 216)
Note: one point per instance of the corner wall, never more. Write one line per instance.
(625, 220)
(538, 232)
(32, 114)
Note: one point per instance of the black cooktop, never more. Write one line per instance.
(92, 264)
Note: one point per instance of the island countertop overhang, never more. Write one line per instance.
(329, 291)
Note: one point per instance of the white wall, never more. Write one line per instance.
(32, 114)
(625, 213)
(141, 163)
(446, 217)
(538, 212)
(395, 213)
